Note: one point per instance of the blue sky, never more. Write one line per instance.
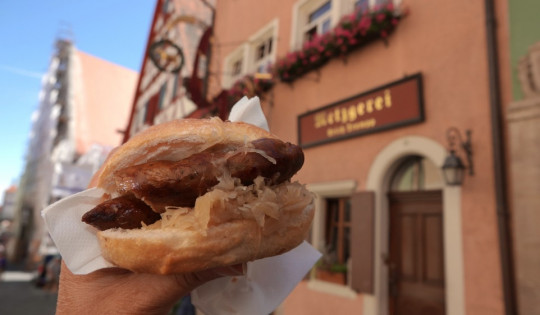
(114, 30)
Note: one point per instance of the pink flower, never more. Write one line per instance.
(348, 18)
(395, 21)
(365, 23)
(380, 17)
(313, 58)
(384, 34)
(390, 6)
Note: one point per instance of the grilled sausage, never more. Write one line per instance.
(179, 183)
(125, 212)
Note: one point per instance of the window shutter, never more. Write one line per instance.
(362, 241)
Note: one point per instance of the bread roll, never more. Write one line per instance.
(229, 224)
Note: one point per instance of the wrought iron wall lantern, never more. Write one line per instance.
(453, 167)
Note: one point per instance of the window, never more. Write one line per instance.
(416, 173)
(263, 55)
(162, 92)
(234, 66)
(237, 68)
(175, 86)
(165, 7)
(362, 5)
(343, 231)
(254, 56)
(262, 50)
(312, 17)
(318, 21)
(151, 109)
(333, 265)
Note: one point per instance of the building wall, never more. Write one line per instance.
(98, 122)
(8, 207)
(175, 102)
(83, 102)
(522, 119)
(446, 42)
(523, 25)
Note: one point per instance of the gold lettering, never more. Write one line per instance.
(330, 118)
(337, 117)
(363, 124)
(369, 105)
(387, 98)
(320, 120)
(336, 131)
(360, 108)
(352, 113)
(379, 103)
(344, 116)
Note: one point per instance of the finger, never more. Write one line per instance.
(234, 270)
(195, 279)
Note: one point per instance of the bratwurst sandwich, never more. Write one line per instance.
(192, 194)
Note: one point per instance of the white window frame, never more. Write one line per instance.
(246, 54)
(318, 22)
(337, 189)
(239, 54)
(270, 30)
(303, 8)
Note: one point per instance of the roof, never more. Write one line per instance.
(102, 100)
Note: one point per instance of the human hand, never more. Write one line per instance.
(120, 291)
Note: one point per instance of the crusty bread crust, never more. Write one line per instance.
(174, 141)
(196, 242)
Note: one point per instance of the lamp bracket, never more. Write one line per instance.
(455, 142)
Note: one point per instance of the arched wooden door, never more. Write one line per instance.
(416, 252)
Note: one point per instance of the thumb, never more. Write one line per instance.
(191, 281)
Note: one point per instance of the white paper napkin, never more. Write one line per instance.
(263, 289)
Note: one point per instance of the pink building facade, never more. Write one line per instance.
(373, 119)
(379, 94)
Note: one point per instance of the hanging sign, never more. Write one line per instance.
(393, 105)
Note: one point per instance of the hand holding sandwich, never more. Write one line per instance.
(119, 291)
(186, 202)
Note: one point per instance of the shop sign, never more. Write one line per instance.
(393, 105)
